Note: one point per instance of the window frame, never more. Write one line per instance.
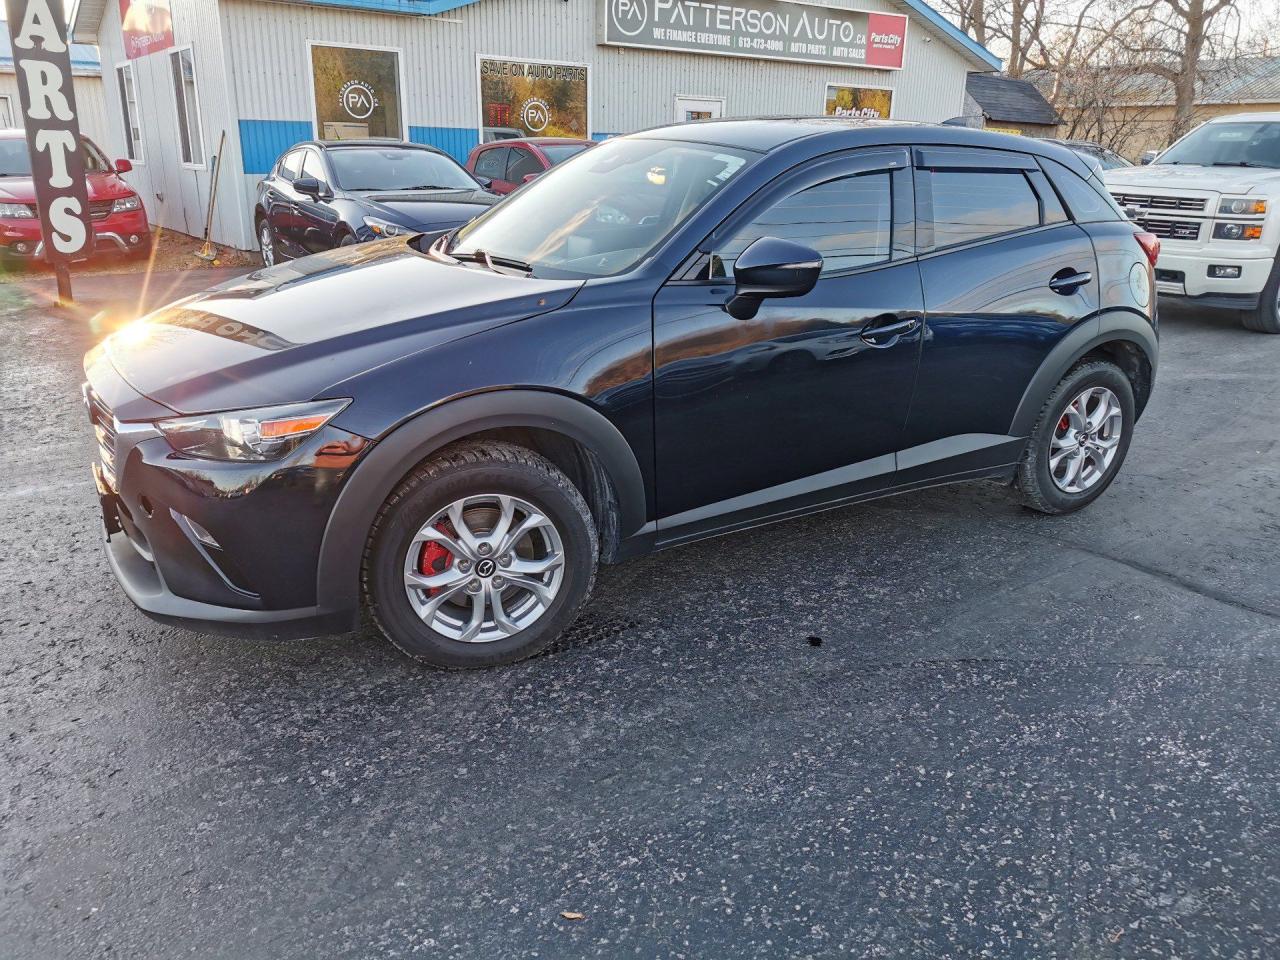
(896, 161)
(134, 150)
(179, 90)
(401, 88)
(7, 100)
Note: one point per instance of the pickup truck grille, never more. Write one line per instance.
(104, 430)
(1145, 201)
(1171, 229)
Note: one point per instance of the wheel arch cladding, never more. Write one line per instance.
(1123, 338)
(590, 450)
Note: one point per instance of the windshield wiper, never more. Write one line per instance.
(492, 261)
(1236, 163)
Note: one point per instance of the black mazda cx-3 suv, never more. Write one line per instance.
(679, 333)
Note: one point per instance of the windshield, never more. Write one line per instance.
(15, 162)
(605, 210)
(560, 152)
(396, 168)
(1228, 144)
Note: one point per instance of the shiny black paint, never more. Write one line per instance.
(728, 422)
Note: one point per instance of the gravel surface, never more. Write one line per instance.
(934, 726)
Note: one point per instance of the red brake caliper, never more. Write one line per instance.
(1063, 423)
(435, 557)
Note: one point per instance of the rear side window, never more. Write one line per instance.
(848, 220)
(492, 164)
(971, 205)
(1087, 201)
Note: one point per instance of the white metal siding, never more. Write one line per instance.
(90, 105)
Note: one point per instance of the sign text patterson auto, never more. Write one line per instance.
(772, 29)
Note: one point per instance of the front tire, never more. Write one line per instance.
(1079, 441)
(1265, 318)
(266, 243)
(481, 557)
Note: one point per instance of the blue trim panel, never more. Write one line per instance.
(603, 136)
(262, 141)
(421, 8)
(455, 141)
(951, 30)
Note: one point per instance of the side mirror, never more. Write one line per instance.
(485, 182)
(530, 177)
(770, 267)
(123, 166)
(309, 186)
(1148, 156)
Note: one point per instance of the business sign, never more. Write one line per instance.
(147, 26)
(770, 29)
(861, 103)
(538, 98)
(43, 65)
(357, 93)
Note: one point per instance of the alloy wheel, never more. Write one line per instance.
(264, 241)
(1085, 440)
(484, 568)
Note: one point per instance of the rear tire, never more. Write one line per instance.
(1045, 480)
(493, 486)
(1266, 317)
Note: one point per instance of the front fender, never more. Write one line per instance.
(392, 457)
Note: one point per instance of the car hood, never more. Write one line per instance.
(428, 209)
(98, 186)
(287, 333)
(1171, 176)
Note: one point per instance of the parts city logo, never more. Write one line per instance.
(630, 16)
(535, 114)
(357, 99)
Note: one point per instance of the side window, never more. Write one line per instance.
(848, 220)
(129, 112)
(190, 138)
(313, 167)
(521, 164)
(1085, 201)
(291, 166)
(972, 205)
(492, 164)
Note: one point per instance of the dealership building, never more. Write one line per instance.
(188, 81)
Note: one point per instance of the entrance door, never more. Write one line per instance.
(699, 108)
(806, 401)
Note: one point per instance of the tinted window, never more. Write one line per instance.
(970, 205)
(560, 152)
(396, 168)
(291, 166)
(1084, 200)
(492, 164)
(521, 164)
(312, 167)
(848, 221)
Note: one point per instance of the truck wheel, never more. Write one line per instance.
(1079, 441)
(1266, 318)
(481, 557)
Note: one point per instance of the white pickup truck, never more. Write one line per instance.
(1213, 199)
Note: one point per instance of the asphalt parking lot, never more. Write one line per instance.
(936, 726)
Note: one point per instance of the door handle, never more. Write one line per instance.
(888, 334)
(1068, 281)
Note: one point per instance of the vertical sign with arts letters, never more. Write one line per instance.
(42, 62)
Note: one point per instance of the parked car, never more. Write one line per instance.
(508, 164)
(1214, 200)
(455, 433)
(321, 195)
(1108, 159)
(116, 211)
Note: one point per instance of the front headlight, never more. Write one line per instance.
(267, 433)
(1241, 207)
(385, 228)
(1237, 231)
(16, 211)
(124, 204)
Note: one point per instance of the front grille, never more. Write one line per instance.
(1146, 201)
(100, 209)
(1171, 229)
(104, 429)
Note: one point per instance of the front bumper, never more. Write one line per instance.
(123, 233)
(217, 547)
(1185, 274)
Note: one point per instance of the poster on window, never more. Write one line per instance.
(357, 93)
(147, 26)
(525, 98)
(861, 103)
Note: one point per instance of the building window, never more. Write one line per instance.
(184, 93)
(357, 93)
(6, 113)
(129, 113)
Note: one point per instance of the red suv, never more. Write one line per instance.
(119, 218)
(505, 165)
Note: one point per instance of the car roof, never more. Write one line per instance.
(766, 134)
(371, 142)
(537, 141)
(1272, 116)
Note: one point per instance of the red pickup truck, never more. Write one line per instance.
(119, 218)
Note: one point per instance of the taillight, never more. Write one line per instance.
(1150, 245)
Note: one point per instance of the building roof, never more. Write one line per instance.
(1009, 100)
(86, 18)
(1244, 80)
(85, 61)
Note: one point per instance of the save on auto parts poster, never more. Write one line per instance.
(536, 98)
(147, 26)
(862, 103)
(357, 93)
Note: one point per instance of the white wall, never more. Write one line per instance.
(90, 105)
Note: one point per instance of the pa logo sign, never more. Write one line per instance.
(535, 115)
(357, 99)
(629, 16)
